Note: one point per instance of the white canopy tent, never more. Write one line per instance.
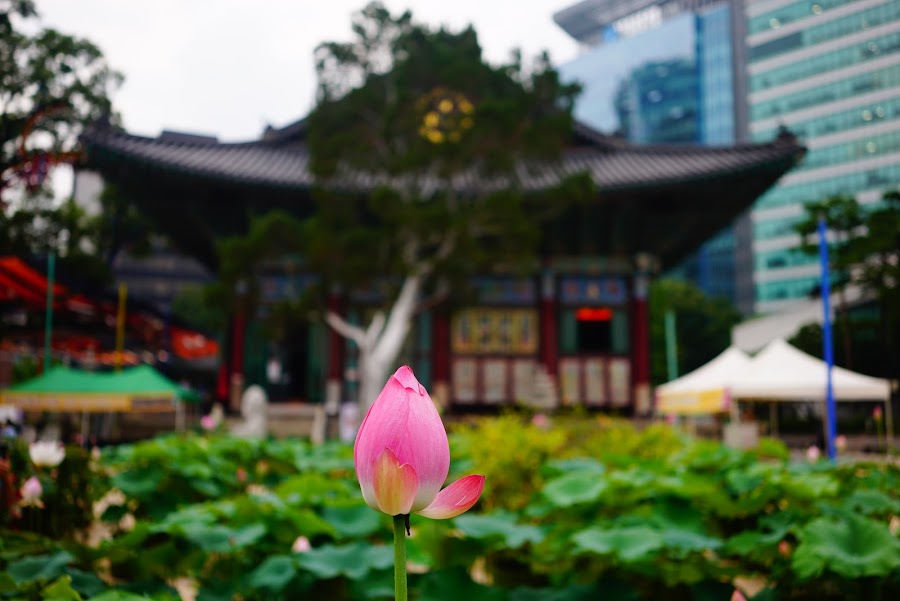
(706, 389)
(781, 372)
(778, 373)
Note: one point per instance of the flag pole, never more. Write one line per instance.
(48, 314)
(120, 326)
(827, 343)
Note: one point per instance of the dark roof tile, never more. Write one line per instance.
(279, 160)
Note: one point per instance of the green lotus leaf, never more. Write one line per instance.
(222, 538)
(61, 590)
(274, 573)
(629, 543)
(39, 567)
(811, 486)
(499, 525)
(353, 561)
(576, 464)
(853, 547)
(574, 488)
(356, 521)
(139, 482)
(870, 502)
(455, 584)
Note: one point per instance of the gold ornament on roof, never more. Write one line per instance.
(446, 115)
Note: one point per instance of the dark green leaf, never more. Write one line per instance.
(60, 590)
(630, 543)
(572, 489)
(40, 567)
(499, 525)
(854, 547)
(274, 573)
(353, 522)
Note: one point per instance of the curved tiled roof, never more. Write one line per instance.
(281, 160)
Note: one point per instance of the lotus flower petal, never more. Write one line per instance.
(46, 453)
(395, 485)
(455, 499)
(404, 420)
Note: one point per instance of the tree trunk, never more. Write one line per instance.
(381, 342)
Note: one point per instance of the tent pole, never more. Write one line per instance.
(179, 415)
(773, 419)
(48, 313)
(888, 425)
(85, 429)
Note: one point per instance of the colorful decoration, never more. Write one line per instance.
(446, 115)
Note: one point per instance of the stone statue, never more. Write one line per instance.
(254, 403)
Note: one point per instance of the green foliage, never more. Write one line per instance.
(445, 139)
(702, 326)
(851, 547)
(69, 491)
(65, 82)
(864, 251)
(602, 510)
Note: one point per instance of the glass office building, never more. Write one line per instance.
(830, 71)
(659, 72)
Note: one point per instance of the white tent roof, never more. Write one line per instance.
(718, 373)
(781, 372)
(704, 390)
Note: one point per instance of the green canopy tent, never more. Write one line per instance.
(139, 389)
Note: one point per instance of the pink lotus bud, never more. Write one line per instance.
(813, 453)
(876, 413)
(32, 491)
(738, 596)
(301, 545)
(784, 548)
(241, 474)
(840, 443)
(540, 421)
(402, 455)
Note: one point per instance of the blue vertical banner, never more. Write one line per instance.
(830, 414)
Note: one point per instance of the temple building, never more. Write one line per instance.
(573, 332)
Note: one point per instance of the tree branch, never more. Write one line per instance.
(345, 328)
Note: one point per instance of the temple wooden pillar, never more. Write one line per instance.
(238, 333)
(640, 338)
(548, 355)
(440, 357)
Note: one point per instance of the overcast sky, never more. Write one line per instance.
(230, 67)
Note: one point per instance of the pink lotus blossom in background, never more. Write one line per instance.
(45, 453)
(813, 453)
(540, 420)
(402, 455)
(301, 545)
(31, 493)
(840, 443)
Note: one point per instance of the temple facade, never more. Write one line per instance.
(575, 331)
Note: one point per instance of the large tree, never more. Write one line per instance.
(843, 220)
(418, 145)
(51, 85)
(876, 256)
